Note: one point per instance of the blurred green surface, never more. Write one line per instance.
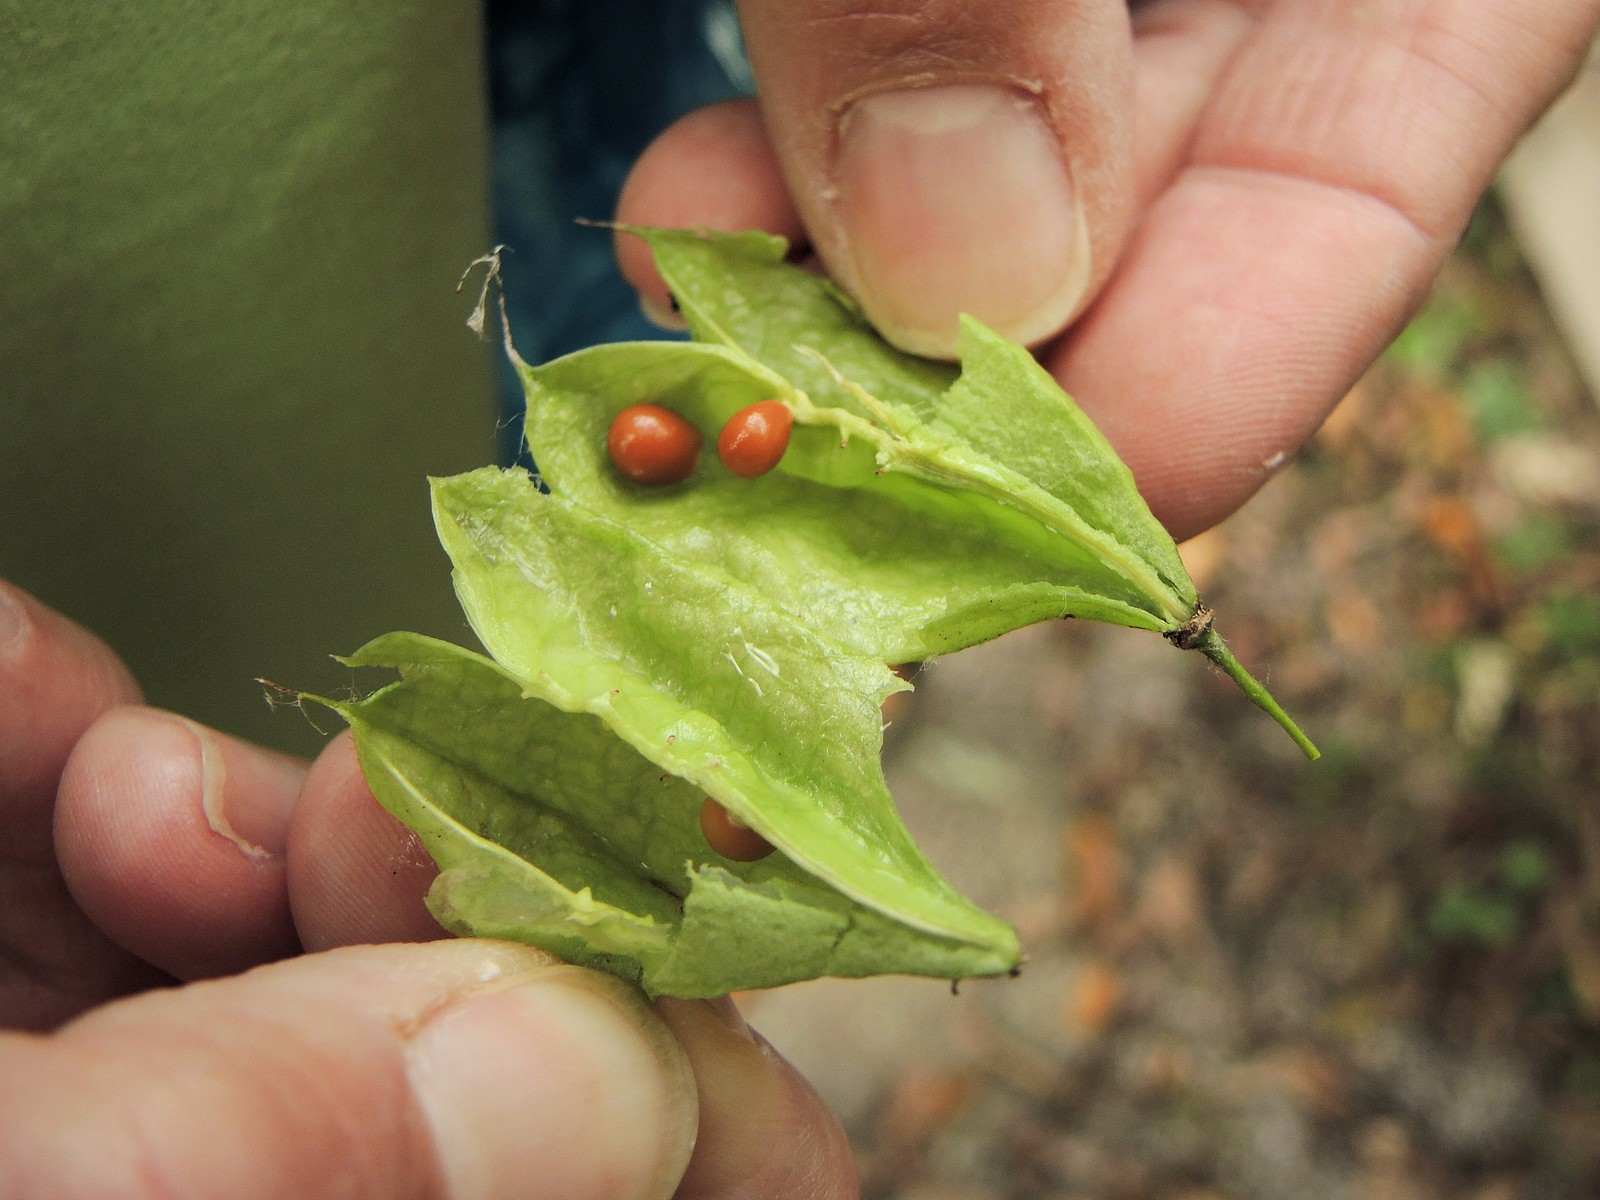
(229, 344)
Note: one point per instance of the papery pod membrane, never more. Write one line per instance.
(562, 775)
(726, 637)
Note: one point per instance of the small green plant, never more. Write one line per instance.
(1490, 912)
(1525, 868)
(1462, 913)
(1572, 623)
(1497, 400)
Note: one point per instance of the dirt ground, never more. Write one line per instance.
(1373, 977)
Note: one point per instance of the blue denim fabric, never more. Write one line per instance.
(578, 88)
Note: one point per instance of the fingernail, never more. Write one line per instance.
(11, 619)
(561, 1083)
(956, 199)
(246, 793)
(662, 316)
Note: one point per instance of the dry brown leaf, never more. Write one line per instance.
(1094, 871)
(1094, 998)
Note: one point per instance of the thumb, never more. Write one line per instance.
(463, 1069)
(952, 157)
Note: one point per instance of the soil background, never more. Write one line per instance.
(1375, 976)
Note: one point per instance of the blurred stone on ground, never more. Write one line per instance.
(1249, 977)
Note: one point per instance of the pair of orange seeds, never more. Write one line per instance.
(655, 446)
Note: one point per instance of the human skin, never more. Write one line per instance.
(1269, 188)
(217, 977)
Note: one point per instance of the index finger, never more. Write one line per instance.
(1326, 179)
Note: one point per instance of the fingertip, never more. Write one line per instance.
(42, 648)
(170, 837)
(355, 874)
(712, 169)
(55, 678)
(764, 1131)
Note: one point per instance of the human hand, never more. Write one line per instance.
(182, 910)
(1254, 196)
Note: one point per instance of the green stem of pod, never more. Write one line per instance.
(1206, 641)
